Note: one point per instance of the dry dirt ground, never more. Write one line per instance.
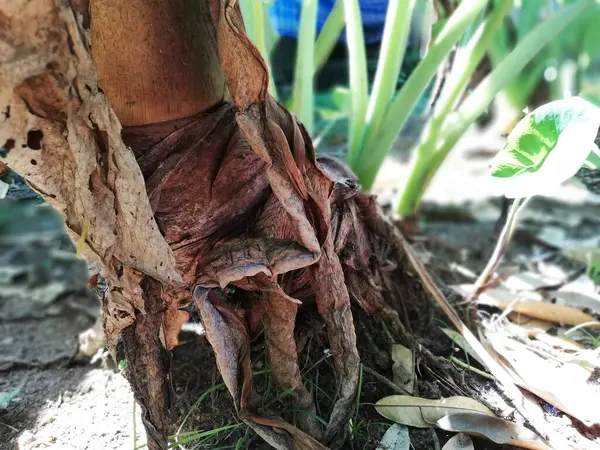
(66, 403)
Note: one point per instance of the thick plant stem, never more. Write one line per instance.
(393, 47)
(155, 59)
(329, 35)
(302, 95)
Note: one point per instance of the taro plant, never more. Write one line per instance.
(378, 115)
(451, 117)
(545, 149)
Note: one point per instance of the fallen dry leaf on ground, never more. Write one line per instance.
(403, 368)
(283, 436)
(562, 385)
(423, 412)
(395, 438)
(551, 312)
(461, 441)
(496, 430)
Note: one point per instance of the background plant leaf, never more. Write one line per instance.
(547, 147)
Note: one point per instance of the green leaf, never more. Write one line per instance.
(6, 397)
(547, 147)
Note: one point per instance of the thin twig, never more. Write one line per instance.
(501, 246)
(10, 427)
(466, 366)
(383, 380)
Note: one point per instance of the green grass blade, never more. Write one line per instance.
(302, 94)
(329, 35)
(358, 74)
(391, 55)
(375, 150)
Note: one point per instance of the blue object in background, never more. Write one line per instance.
(285, 17)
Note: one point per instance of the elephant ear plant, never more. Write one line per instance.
(378, 115)
(545, 149)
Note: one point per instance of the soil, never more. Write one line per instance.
(67, 401)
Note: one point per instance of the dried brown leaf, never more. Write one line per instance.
(403, 367)
(228, 336)
(461, 441)
(289, 435)
(83, 168)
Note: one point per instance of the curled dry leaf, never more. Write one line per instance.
(281, 434)
(403, 368)
(492, 428)
(423, 412)
(395, 438)
(551, 312)
(461, 441)
(522, 303)
(564, 385)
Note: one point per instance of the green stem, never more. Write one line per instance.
(358, 74)
(391, 55)
(260, 41)
(510, 67)
(464, 66)
(501, 245)
(248, 16)
(302, 95)
(329, 35)
(370, 157)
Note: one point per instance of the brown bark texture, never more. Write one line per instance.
(230, 199)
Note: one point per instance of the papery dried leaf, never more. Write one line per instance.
(83, 168)
(495, 429)
(403, 368)
(239, 259)
(395, 438)
(551, 312)
(562, 385)
(174, 320)
(423, 412)
(280, 320)
(228, 336)
(461, 441)
(294, 438)
(244, 68)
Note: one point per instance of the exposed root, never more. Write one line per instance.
(148, 366)
(280, 320)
